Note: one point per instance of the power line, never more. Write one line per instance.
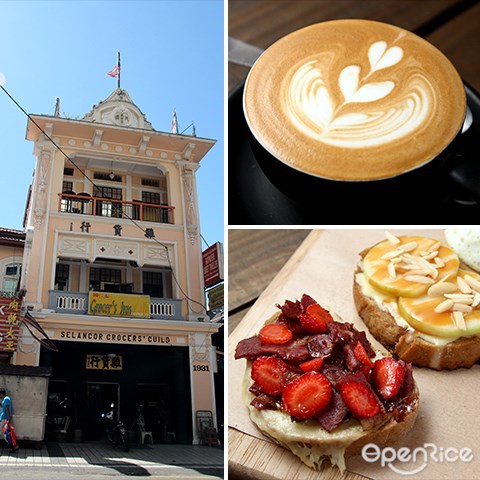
(94, 185)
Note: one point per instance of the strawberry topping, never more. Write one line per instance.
(275, 334)
(269, 374)
(307, 395)
(314, 367)
(311, 365)
(362, 355)
(315, 319)
(387, 376)
(360, 399)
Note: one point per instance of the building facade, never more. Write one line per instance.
(112, 271)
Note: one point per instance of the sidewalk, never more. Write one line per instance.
(100, 455)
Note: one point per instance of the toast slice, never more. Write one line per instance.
(339, 430)
(422, 340)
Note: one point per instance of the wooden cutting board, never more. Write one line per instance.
(323, 267)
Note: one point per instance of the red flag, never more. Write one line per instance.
(114, 72)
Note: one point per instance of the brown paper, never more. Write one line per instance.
(447, 423)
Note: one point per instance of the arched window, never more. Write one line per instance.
(11, 275)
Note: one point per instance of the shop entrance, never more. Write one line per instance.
(100, 397)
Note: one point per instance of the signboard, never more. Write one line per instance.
(104, 362)
(213, 265)
(9, 323)
(216, 297)
(118, 305)
(105, 336)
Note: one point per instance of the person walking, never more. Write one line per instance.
(6, 413)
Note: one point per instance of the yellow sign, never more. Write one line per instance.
(119, 305)
(104, 362)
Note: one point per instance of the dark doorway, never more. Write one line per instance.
(100, 398)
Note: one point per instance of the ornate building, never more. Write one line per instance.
(113, 269)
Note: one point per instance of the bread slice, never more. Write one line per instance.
(407, 344)
(313, 444)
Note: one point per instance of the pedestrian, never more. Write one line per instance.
(6, 414)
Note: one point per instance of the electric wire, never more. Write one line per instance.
(204, 308)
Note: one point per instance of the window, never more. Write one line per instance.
(62, 273)
(153, 284)
(150, 182)
(12, 270)
(9, 286)
(11, 276)
(106, 176)
(151, 197)
(67, 187)
(68, 172)
(105, 208)
(105, 279)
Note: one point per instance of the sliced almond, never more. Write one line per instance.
(444, 306)
(392, 254)
(440, 289)
(463, 286)
(429, 256)
(439, 262)
(408, 247)
(419, 279)
(419, 271)
(434, 247)
(391, 270)
(396, 260)
(392, 238)
(476, 299)
(473, 282)
(459, 320)
(460, 307)
(460, 297)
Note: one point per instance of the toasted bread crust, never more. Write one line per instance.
(387, 433)
(407, 345)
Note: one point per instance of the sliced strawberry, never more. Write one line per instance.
(275, 333)
(360, 399)
(362, 355)
(269, 374)
(315, 319)
(387, 376)
(307, 395)
(311, 365)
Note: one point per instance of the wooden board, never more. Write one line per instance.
(317, 269)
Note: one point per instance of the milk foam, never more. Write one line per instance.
(354, 100)
(383, 112)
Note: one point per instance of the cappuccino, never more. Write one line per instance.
(354, 100)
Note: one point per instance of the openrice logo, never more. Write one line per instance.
(418, 458)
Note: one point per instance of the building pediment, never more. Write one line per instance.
(118, 109)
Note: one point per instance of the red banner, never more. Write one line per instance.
(213, 265)
(9, 323)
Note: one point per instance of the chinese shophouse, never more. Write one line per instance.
(11, 255)
(113, 272)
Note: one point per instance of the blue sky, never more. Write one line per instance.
(171, 55)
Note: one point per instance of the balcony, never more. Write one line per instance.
(84, 204)
(76, 303)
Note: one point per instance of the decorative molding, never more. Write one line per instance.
(200, 352)
(117, 249)
(73, 247)
(187, 173)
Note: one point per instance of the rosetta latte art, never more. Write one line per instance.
(369, 112)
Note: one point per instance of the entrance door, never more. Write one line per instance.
(99, 398)
(155, 400)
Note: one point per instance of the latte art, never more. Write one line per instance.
(312, 108)
(354, 100)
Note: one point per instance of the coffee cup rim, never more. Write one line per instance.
(333, 179)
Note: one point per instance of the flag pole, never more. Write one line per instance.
(118, 65)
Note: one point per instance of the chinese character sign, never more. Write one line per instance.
(9, 323)
(213, 265)
(104, 362)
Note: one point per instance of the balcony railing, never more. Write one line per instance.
(106, 207)
(77, 303)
